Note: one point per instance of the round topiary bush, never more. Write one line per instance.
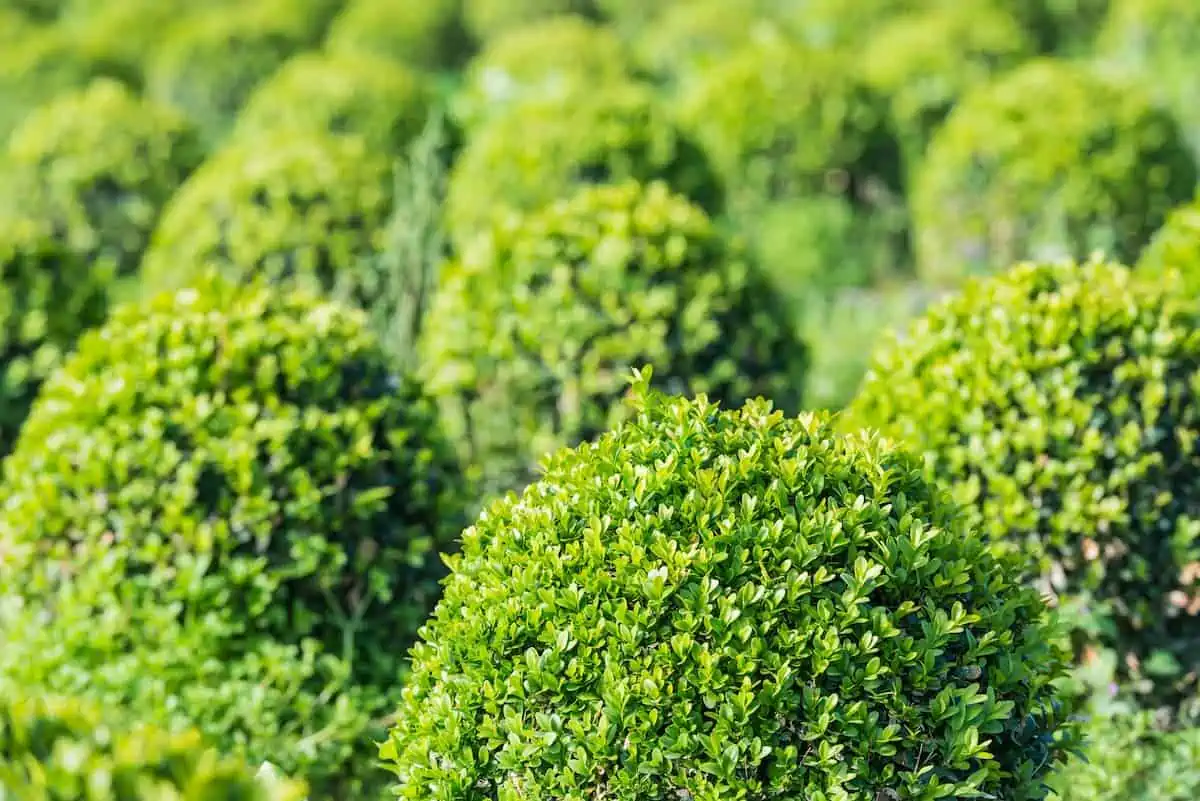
(1060, 403)
(54, 749)
(778, 120)
(384, 102)
(225, 512)
(44, 62)
(543, 147)
(102, 162)
(487, 19)
(300, 208)
(1176, 246)
(550, 58)
(209, 62)
(713, 604)
(923, 62)
(537, 324)
(50, 294)
(427, 35)
(1159, 39)
(1050, 161)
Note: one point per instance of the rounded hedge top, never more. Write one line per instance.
(538, 324)
(428, 34)
(209, 62)
(60, 749)
(1062, 403)
(225, 511)
(487, 19)
(711, 604)
(384, 102)
(304, 208)
(50, 294)
(1176, 246)
(925, 61)
(543, 147)
(105, 161)
(550, 57)
(1050, 160)
(778, 119)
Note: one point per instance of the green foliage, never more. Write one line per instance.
(486, 19)
(554, 57)
(537, 324)
(1176, 246)
(1060, 26)
(209, 62)
(1059, 401)
(1159, 39)
(384, 102)
(60, 749)
(728, 604)
(543, 147)
(1132, 759)
(225, 512)
(42, 63)
(49, 294)
(291, 207)
(100, 163)
(1051, 160)
(41, 10)
(427, 34)
(923, 62)
(778, 120)
(14, 26)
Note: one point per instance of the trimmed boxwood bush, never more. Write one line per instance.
(300, 208)
(713, 604)
(49, 294)
(102, 161)
(225, 512)
(487, 19)
(780, 120)
(537, 325)
(1052, 160)
(209, 62)
(1159, 39)
(1059, 401)
(384, 102)
(44, 62)
(1176, 246)
(427, 35)
(543, 147)
(553, 57)
(923, 62)
(61, 749)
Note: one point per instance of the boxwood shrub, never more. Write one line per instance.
(225, 512)
(780, 120)
(101, 162)
(543, 147)
(1059, 401)
(552, 57)
(426, 35)
(373, 97)
(537, 324)
(61, 749)
(50, 294)
(713, 604)
(1176, 246)
(1051, 160)
(288, 206)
